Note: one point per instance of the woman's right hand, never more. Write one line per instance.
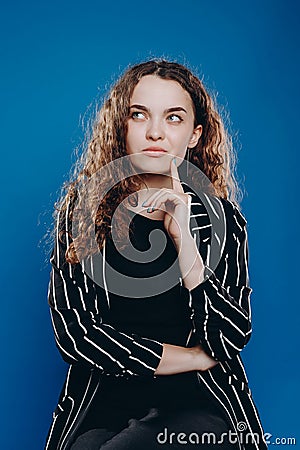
(202, 360)
(177, 359)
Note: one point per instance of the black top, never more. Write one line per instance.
(164, 317)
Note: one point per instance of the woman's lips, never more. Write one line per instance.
(155, 152)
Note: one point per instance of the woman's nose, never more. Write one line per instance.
(155, 130)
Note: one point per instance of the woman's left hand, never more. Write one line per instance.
(177, 206)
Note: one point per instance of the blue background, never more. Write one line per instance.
(56, 58)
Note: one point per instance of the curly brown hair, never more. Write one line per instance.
(214, 155)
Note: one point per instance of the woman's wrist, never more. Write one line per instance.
(190, 262)
(176, 359)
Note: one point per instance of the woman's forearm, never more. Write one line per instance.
(176, 359)
(190, 261)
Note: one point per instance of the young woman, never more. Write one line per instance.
(149, 320)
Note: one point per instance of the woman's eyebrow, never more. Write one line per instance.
(174, 108)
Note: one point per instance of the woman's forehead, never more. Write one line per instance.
(153, 89)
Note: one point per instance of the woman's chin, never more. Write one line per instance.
(156, 168)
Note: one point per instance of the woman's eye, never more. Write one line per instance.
(135, 114)
(178, 118)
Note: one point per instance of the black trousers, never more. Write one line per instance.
(187, 428)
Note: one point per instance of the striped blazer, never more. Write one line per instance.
(220, 312)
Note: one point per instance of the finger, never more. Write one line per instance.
(152, 197)
(175, 177)
(166, 203)
(167, 197)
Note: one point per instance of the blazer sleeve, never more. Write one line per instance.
(81, 335)
(220, 305)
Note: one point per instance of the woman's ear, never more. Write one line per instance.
(195, 136)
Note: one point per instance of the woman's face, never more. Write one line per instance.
(161, 116)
